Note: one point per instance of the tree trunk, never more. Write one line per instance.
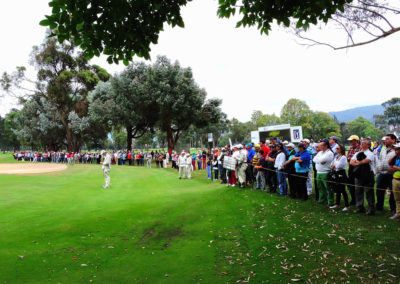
(129, 137)
(170, 139)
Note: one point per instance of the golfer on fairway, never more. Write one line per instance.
(106, 168)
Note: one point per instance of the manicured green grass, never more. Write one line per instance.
(150, 227)
(7, 158)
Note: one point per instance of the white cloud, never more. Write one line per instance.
(247, 70)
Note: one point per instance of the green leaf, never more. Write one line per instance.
(44, 22)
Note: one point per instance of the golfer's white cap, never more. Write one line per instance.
(102, 152)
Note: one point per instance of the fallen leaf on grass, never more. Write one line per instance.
(21, 256)
(295, 280)
(343, 271)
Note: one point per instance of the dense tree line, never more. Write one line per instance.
(73, 104)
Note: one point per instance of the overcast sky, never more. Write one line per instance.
(247, 70)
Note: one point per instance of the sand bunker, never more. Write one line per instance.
(30, 168)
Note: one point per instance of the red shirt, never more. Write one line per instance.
(266, 150)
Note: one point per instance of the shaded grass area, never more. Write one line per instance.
(150, 227)
(7, 157)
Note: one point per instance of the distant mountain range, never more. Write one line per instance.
(353, 113)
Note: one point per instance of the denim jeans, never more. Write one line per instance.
(208, 171)
(282, 182)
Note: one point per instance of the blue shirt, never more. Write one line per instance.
(250, 154)
(305, 165)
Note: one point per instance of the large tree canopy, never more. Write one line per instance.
(179, 100)
(64, 79)
(123, 28)
(125, 101)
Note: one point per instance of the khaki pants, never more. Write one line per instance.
(396, 194)
(106, 173)
(182, 171)
(189, 171)
(242, 173)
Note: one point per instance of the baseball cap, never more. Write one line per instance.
(353, 137)
(396, 146)
(334, 138)
(102, 152)
(306, 140)
(301, 145)
(290, 145)
(257, 145)
(285, 142)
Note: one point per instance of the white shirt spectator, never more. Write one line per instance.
(323, 161)
(280, 160)
(340, 162)
(182, 161)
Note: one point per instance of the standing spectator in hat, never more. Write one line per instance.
(106, 166)
(323, 161)
(364, 181)
(333, 144)
(199, 161)
(338, 166)
(302, 161)
(241, 158)
(148, 159)
(289, 167)
(254, 162)
(384, 176)
(281, 175)
(260, 168)
(249, 171)
(271, 174)
(223, 172)
(354, 149)
(265, 149)
(309, 183)
(182, 165)
(395, 169)
(188, 166)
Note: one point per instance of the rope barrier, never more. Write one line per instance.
(329, 181)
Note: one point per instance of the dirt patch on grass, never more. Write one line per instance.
(31, 168)
(164, 235)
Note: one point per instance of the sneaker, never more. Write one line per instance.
(333, 206)
(395, 217)
(345, 209)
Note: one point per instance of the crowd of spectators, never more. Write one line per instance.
(366, 170)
